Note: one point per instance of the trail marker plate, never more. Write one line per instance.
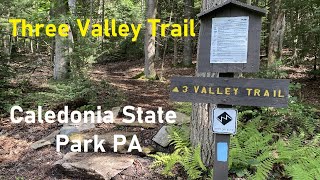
(231, 91)
(224, 121)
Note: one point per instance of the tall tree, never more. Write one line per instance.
(201, 128)
(72, 6)
(149, 41)
(63, 46)
(60, 70)
(276, 34)
(7, 39)
(158, 39)
(187, 48)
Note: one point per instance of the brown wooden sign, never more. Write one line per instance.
(231, 91)
(222, 38)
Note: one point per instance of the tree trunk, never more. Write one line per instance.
(7, 44)
(31, 46)
(37, 45)
(100, 12)
(149, 41)
(10, 46)
(315, 66)
(294, 22)
(165, 48)
(7, 41)
(60, 60)
(91, 15)
(102, 20)
(201, 127)
(316, 57)
(175, 51)
(187, 48)
(158, 38)
(207, 4)
(277, 28)
(72, 6)
(256, 3)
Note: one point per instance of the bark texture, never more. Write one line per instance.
(158, 38)
(201, 128)
(7, 45)
(187, 48)
(7, 41)
(72, 6)
(60, 70)
(207, 4)
(149, 41)
(277, 29)
(60, 61)
(175, 51)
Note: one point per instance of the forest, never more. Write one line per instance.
(95, 56)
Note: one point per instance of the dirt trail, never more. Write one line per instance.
(18, 160)
(142, 93)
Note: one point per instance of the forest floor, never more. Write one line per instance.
(18, 160)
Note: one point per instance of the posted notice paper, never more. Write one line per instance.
(229, 40)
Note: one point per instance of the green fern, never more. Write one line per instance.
(251, 153)
(300, 159)
(263, 168)
(189, 158)
(270, 144)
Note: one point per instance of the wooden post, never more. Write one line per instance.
(208, 89)
(221, 143)
(220, 168)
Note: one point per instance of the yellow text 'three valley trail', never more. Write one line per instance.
(110, 28)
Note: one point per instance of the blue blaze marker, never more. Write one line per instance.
(222, 151)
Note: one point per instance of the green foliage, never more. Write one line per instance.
(267, 145)
(82, 57)
(183, 107)
(189, 158)
(314, 72)
(142, 76)
(303, 31)
(270, 144)
(138, 76)
(124, 11)
(19, 178)
(251, 152)
(301, 159)
(5, 73)
(77, 94)
(272, 72)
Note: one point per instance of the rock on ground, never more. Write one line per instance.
(108, 143)
(70, 128)
(50, 139)
(162, 137)
(182, 118)
(93, 165)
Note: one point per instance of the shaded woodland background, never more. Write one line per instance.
(290, 32)
(84, 72)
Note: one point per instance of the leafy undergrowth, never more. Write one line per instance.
(76, 94)
(183, 107)
(270, 144)
(277, 144)
(186, 156)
